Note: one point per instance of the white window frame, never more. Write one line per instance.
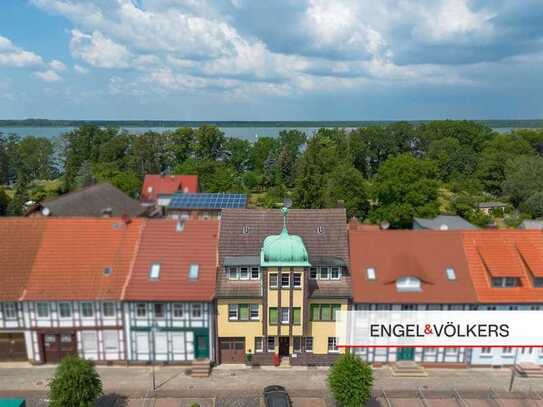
(299, 339)
(299, 276)
(241, 273)
(320, 275)
(254, 313)
(105, 305)
(162, 306)
(451, 273)
(276, 280)
(113, 337)
(83, 309)
(332, 273)
(154, 271)
(194, 271)
(333, 341)
(408, 284)
(272, 339)
(371, 274)
(253, 277)
(70, 311)
(234, 271)
(176, 307)
(282, 320)
(259, 343)
(89, 337)
(141, 306)
(287, 275)
(486, 350)
(198, 308)
(308, 340)
(48, 309)
(233, 312)
(9, 310)
(313, 273)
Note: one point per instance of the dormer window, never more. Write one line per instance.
(233, 273)
(245, 230)
(408, 284)
(538, 282)
(370, 272)
(154, 271)
(335, 274)
(451, 275)
(320, 229)
(505, 282)
(193, 271)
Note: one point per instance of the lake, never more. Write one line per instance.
(246, 133)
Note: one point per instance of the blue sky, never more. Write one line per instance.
(271, 60)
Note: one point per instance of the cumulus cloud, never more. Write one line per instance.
(12, 56)
(48, 76)
(57, 66)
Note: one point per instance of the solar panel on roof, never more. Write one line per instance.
(208, 201)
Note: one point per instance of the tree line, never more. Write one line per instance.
(391, 172)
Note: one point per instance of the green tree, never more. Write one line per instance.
(85, 177)
(470, 134)
(347, 184)
(263, 148)
(16, 206)
(238, 153)
(148, 154)
(126, 181)
(523, 179)
(75, 384)
(180, 146)
(454, 161)
(4, 202)
(210, 143)
(350, 381)
(534, 205)
(495, 158)
(403, 188)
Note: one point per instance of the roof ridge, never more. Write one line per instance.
(133, 260)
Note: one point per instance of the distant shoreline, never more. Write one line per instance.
(528, 123)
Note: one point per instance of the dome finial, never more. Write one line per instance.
(284, 211)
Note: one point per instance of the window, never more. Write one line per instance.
(258, 344)
(320, 229)
(507, 350)
(323, 273)
(111, 341)
(65, 309)
(87, 310)
(271, 343)
(335, 275)
(178, 310)
(284, 315)
(332, 344)
(243, 312)
(10, 310)
(158, 310)
(253, 312)
(154, 271)
(232, 273)
(244, 273)
(196, 310)
(255, 273)
(451, 275)
(297, 280)
(90, 342)
(309, 344)
(324, 312)
(108, 309)
(43, 310)
(296, 316)
(370, 272)
(297, 343)
(285, 280)
(245, 230)
(408, 284)
(538, 282)
(273, 280)
(233, 312)
(313, 273)
(193, 271)
(141, 310)
(505, 282)
(273, 316)
(486, 351)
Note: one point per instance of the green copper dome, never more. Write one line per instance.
(284, 250)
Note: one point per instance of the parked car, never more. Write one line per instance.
(276, 396)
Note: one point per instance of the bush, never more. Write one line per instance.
(75, 384)
(350, 381)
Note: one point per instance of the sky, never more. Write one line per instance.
(271, 60)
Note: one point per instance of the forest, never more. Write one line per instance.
(389, 172)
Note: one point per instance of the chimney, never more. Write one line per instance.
(106, 212)
(126, 219)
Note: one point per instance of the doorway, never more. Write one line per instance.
(284, 343)
(405, 354)
(58, 345)
(201, 348)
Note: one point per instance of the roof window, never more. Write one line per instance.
(154, 271)
(107, 271)
(320, 229)
(193, 271)
(408, 284)
(451, 275)
(245, 230)
(370, 272)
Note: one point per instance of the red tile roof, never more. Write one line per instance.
(175, 251)
(74, 252)
(155, 185)
(424, 254)
(20, 239)
(505, 253)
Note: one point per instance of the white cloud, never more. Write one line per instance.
(12, 56)
(80, 69)
(57, 65)
(48, 76)
(99, 51)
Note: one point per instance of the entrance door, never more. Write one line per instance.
(201, 346)
(58, 345)
(232, 350)
(12, 347)
(284, 346)
(406, 354)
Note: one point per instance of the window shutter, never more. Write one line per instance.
(273, 316)
(296, 316)
(244, 312)
(315, 312)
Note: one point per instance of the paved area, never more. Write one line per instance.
(240, 387)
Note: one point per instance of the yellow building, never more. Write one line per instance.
(280, 284)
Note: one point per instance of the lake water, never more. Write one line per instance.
(247, 133)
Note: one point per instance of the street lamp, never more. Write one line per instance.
(154, 329)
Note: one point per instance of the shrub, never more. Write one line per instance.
(350, 381)
(75, 384)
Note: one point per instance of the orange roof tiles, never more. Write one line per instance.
(73, 255)
(424, 254)
(20, 239)
(175, 251)
(505, 253)
(155, 185)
